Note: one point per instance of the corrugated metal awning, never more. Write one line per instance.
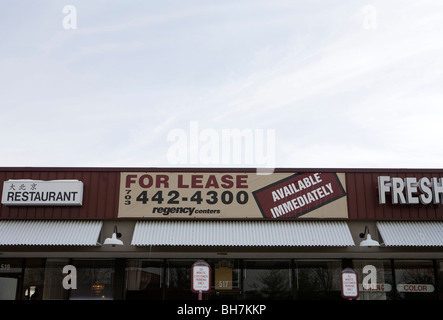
(49, 232)
(411, 233)
(242, 233)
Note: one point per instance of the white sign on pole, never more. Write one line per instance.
(349, 284)
(201, 277)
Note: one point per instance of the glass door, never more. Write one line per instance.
(10, 278)
(8, 286)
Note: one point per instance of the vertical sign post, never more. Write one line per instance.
(201, 278)
(349, 284)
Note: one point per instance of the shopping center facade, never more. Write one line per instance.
(135, 233)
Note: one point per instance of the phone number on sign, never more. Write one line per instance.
(173, 197)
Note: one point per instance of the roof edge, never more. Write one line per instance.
(217, 169)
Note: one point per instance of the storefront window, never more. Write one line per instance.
(53, 287)
(226, 284)
(265, 279)
(10, 275)
(178, 280)
(144, 279)
(318, 279)
(170, 279)
(440, 277)
(415, 279)
(33, 281)
(42, 279)
(95, 279)
(375, 279)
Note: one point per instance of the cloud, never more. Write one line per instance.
(336, 93)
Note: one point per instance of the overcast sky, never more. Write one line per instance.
(318, 84)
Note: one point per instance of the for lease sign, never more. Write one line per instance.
(232, 195)
(298, 194)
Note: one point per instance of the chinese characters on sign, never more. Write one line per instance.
(42, 193)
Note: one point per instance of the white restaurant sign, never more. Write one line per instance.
(42, 193)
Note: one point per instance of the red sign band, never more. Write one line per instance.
(298, 194)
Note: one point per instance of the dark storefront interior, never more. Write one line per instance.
(233, 279)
